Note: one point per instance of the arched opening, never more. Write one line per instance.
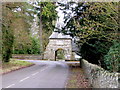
(59, 54)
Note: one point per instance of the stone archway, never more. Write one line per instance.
(59, 54)
(58, 41)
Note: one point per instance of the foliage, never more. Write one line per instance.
(48, 16)
(94, 51)
(22, 39)
(60, 54)
(21, 27)
(33, 48)
(7, 45)
(7, 33)
(16, 18)
(96, 26)
(100, 24)
(91, 20)
(112, 59)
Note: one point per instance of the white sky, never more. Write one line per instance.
(60, 21)
(60, 14)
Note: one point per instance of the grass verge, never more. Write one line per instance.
(14, 65)
(77, 78)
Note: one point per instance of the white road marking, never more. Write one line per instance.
(38, 72)
(35, 73)
(24, 79)
(10, 85)
(44, 69)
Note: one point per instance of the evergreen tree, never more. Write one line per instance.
(95, 24)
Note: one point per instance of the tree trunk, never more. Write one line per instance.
(40, 33)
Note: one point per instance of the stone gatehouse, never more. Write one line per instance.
(58, 41)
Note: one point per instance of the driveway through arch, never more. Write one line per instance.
(60, 54)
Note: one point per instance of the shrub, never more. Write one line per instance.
(112, 59)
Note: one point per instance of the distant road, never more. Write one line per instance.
(44, 74)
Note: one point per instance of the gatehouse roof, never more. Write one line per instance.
(57, 35)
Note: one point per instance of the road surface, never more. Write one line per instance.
(44, 74)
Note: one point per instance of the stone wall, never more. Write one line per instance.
(98, 77)
(25, 56)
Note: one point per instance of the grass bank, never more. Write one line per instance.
(77, 78)
(14, 65)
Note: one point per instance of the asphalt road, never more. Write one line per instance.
(44, 74)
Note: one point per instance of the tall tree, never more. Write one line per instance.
(0, 32)
(21, 27)
(47, 17)
(12, 13)
(7, 32)
(95, 24)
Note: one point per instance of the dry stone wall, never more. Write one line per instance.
(98, 77)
